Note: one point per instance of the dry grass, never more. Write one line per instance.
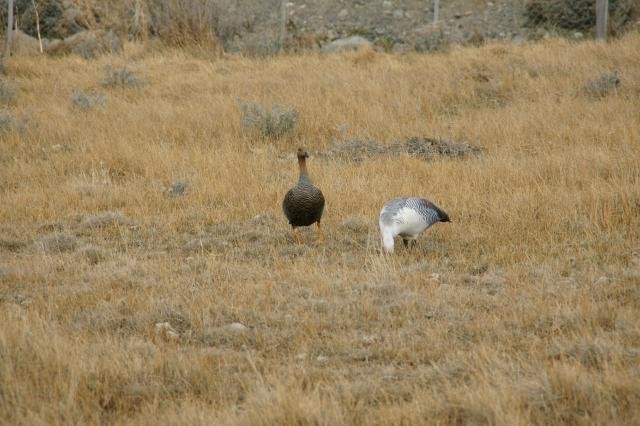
(524, 309)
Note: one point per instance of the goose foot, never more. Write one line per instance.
(320, 235)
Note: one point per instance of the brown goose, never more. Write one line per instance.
(303, 204)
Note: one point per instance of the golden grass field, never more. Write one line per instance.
(524, 309)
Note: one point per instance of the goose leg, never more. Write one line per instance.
(296, 233)
(320, 236)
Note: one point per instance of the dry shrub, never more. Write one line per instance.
(180, 23)
(577, 14)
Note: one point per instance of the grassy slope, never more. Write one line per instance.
(501, 316)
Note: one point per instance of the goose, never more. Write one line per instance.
(407, 217)
(303, 204)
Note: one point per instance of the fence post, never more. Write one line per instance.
(602, 13)
(7, 51)
(283, 21)
(436, 11)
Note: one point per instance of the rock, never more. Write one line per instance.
(301, 356)
(88, 44)
(343, 14)
(346, 44)
(603, 280)
(387, 5)
(236, 327)
(234, 332)
(398, 14)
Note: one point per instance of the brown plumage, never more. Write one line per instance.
(303, 204)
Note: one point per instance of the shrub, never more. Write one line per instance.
(575, 14)
(120, 77)
(603, 85)
(87, 101)
(7, 121)
(269, 123)
(178, 22)
(434, 41)
(7, 92)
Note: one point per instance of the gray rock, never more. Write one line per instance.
(346, 44)
(343, 14)
(236, 327)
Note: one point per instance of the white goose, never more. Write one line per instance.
(408, 218)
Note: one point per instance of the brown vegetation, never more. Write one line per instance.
(124, 300)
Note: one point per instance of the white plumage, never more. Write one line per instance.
(407, 218)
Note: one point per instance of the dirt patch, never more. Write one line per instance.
(418, 147)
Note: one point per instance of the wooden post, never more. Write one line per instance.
(7, 51)
(283, 22)
(602, 15)
(436, 11)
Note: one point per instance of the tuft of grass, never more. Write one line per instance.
(270, 123)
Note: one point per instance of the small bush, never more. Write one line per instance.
(87, 101)
(7, 122)
(603, 85)
(434, 41)
(575, 14)
(7, 92)
(120, 77)
(271, 123)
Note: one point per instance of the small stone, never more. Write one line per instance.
(369, 340)
(603, 280)
(343, 14)
(301, 356)
(236, 327)
(386, 5)
(434, 277)
(398, 14)
(322, 359)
